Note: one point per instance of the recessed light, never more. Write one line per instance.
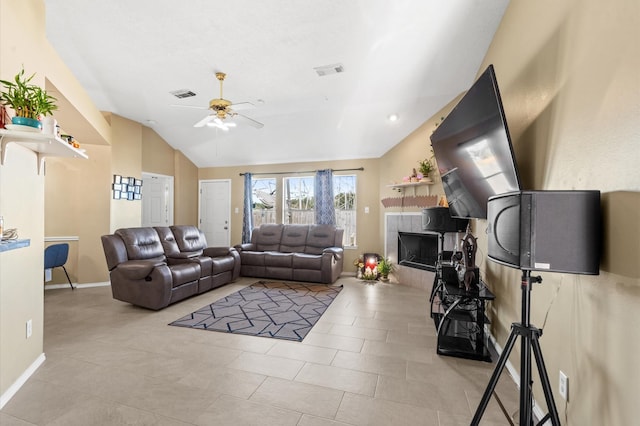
(393, 117)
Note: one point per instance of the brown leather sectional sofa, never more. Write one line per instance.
(155, 267)
(312, 253)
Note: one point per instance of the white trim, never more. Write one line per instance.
(63, 238)
(86, 285)
(15, 387)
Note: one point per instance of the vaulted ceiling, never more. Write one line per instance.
(401, 57)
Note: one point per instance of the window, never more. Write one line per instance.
(299, 203)
(264, 201)
(298, 200)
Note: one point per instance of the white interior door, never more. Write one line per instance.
(215, 211)
(157, 200)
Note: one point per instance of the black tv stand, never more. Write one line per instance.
(459, 316)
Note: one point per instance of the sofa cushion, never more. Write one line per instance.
(141, 243)
(274, 258)
(319, 238)
(307, 261)
(252, 258)
(189, 239)
(223, 264)
(268, 237)
(168, 241)
(184, 272)
(294, 238)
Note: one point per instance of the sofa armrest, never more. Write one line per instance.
(337, 252)
(137, 269)
(152, 291)
(246, 247)
(217, 251)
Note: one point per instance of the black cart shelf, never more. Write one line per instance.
(459, 316)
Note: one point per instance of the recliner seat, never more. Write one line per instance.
(153, 269)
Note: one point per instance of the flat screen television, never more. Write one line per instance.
(473, 150)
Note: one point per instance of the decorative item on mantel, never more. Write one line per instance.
(425, 168)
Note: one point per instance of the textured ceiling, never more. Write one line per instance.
(400, 57)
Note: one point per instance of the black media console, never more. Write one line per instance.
(459, 316)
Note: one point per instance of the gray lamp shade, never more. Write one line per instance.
(438, 219)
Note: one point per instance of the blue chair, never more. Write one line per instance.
(56, 256)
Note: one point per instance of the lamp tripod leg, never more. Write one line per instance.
(546, 385)
(493, 382)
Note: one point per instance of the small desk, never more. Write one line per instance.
(459, 316)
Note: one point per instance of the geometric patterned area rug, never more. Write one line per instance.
(268, 309)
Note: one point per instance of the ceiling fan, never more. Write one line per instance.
(223, 110)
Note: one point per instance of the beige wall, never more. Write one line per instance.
(21, 296)
(186, 191)
(75, 191)
(126, 161)
(368, 196)
(21, 205)
(157, 155)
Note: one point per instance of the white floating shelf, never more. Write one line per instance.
(42, 144)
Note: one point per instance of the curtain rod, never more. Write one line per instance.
(359, 169)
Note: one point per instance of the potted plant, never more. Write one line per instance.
(385, 267)
(425, 167)
(29, 101)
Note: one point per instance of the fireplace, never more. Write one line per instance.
(418, 250)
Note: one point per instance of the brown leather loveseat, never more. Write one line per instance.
(312, 253)
(155, 267)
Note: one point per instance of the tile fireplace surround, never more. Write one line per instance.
(409, 222)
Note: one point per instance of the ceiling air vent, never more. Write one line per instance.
(329, 69)
(183, 93)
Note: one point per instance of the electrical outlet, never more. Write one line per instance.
(29, 328)
(563, 386)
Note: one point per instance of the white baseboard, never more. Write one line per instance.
(15, 387)
(85, 285)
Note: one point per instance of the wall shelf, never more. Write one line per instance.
(42, 144)
(400, 187)
(410, 184)
(7, 245)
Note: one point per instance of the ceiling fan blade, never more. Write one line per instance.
(204, 121)
(250, 121)
(242, 106)
(224, 125)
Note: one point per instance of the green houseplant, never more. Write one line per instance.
(425, 167)
(29, 101)
(385, 267)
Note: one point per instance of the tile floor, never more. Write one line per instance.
(370, 360)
